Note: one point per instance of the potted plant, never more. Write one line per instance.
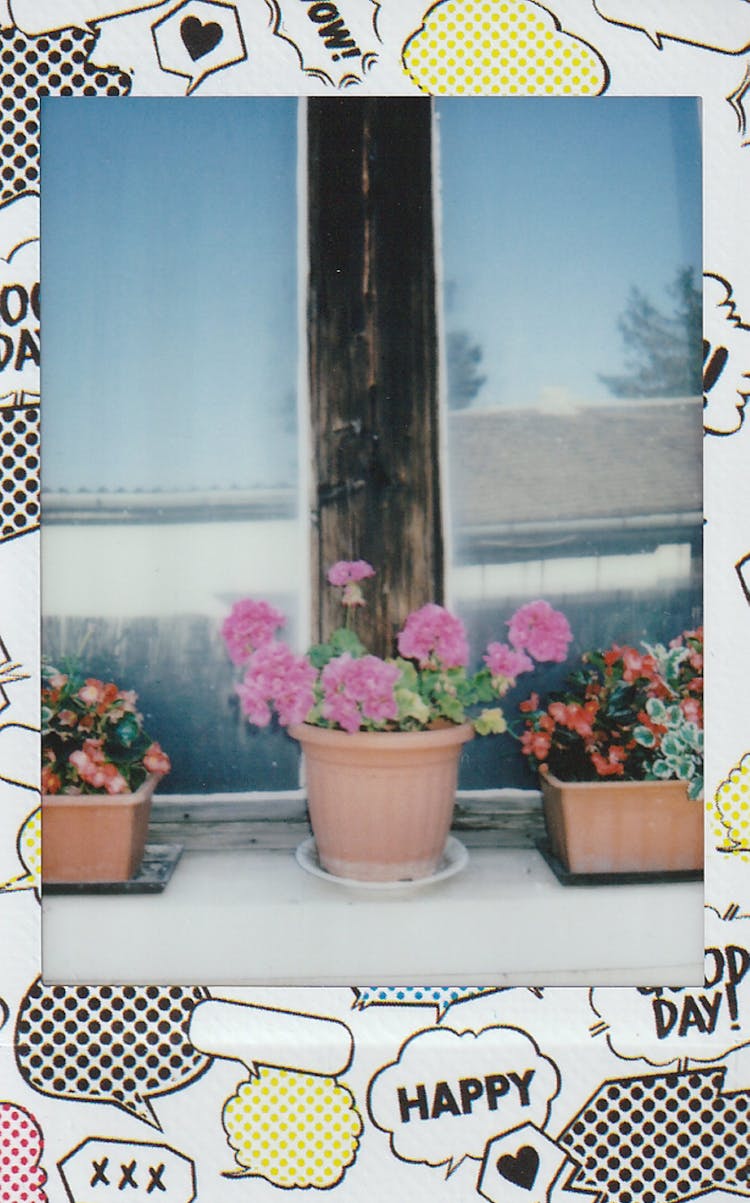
(382, 737)
(620, 755)
(99, 771)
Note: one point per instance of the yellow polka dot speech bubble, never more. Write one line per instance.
(294, 1129)
(730, 813)
(30, 854)
(500, 48)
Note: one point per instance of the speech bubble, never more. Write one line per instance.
(441, 997)
(108, 1044)
(19, 437)
(29, 846)
(336, 41)
(20, 754)
(293, 1129)
(449, 1092)
(661, 1136)
(662, 1025)
(726, 358)
(199, 37)
(732, 810)
(21, 1147)
(527, 1165)
(34, 17)
(257, 1035)
(19, 318)
(10, 673)
(103, 1170)
(500, 48)
(721, 25)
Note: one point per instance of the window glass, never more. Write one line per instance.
(571, 262)
(169, 274)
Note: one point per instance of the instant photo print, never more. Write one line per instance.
(368, 411)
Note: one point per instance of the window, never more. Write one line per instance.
(173, 384)
(171, 470)
(571, 261)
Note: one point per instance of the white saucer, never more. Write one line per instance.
(454, 858)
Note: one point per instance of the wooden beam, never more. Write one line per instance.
(373, 357)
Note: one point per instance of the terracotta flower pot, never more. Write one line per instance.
(623, 826)
(95, 837)
(381, 803)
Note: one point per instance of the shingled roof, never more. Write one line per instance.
(619, 461)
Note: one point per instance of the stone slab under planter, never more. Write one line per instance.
(157, 865)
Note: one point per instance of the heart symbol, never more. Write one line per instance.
(200, 39)
(521, 1170)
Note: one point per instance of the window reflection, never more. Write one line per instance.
(571, 256)
(169, 267)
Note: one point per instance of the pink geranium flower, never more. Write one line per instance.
(345, 572)
(249, 626)
(277, 678)
(504, 661)
(359, 689)
(434, 637)
(541, 631)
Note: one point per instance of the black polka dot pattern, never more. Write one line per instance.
(108, 1044)
(19, 469)
(640, 1140)
(54, 64)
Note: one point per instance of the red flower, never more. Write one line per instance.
(50, 780)
(692, 710)
(535, 743)
(155, 760)
(612, 764)
(574, 716)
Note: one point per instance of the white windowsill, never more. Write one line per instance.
(251, 915)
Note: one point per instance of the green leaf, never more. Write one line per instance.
(656, 709)
(490, 722)
(127, 730)
(411, 705)
(343, 640)
(671, 745)
(644, 737)
(661, 769)
(409, 678)
(320, 654)
(451, 708)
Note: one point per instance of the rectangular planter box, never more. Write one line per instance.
(95, 837)
(623, 826)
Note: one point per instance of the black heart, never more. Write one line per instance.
(200, 39)
(521, 1170)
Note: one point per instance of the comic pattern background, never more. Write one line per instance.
(144, 1092)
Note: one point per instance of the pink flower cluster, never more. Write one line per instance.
(277, 678)
(345, 572)
(541, 631)
(357, 689)
(249, 626)
(435, 638)
(504, 661)
(96, 770)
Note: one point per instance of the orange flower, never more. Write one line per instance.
(535, 743)
(156, 761)
(50, 780)
(612, 765)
